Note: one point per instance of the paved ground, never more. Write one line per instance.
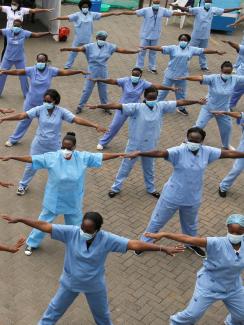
(142, 290)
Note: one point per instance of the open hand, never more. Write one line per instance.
(218, 113)
(6, 110)
(132, 155)
(6, 158)
(155, 236)
(221, 52)
(7, 185)
(101, 129)
(232, 25)
(172, 250)
(50, 10)
(202, 101)
(18, 245)
(91, 106)
(9, 219)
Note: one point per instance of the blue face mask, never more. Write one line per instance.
(100, 42)
(225, 77)
(48, 106)
(183, 44)
(151, 103)
(85, 10)
(234, 239)
(193, 146)
(16, 29)
(207, 5)
(156, 6)
(41, 65)
(87, 236)
(134, 79)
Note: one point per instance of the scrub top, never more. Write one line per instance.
(240, 69)
(15, 46)
(132, 92)
(221, 271)
(97, 58)
(66, 179)
(84, 25)
(84, 268)
(12, 15)
(203, 21)
(185, 185)
(178, 65)
(152, 24)
(220, 91)
(145, 123)
(49, 126)
(40, 81)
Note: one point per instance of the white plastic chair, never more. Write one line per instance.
(181, 3)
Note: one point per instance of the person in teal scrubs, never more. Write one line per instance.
(66, 183)
(86, 251)
(220, 278)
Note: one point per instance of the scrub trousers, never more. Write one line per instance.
(7, 65)
(126, 167)
(23, 125)
(236, 95)
(152, 64)
(179, 94)
(97, 301)
(203, 298)
(224, 124)
(72, 56)
(116, 124)
(237, 169)
(36, 236)
(238, 58)
(87, 91)
(203, 44)
(165, 210)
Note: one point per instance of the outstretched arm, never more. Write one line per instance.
(41, 225)
(73, 49)
(14, 248)
(106, 81)
(186, 102)
(68, 72)
(162, 87)
(105, 106)
(191, 78)
(60, 18)
(39, 35)
(240, 20)
(231, 154)
(154, 48)
(39, 10)
(15, 72)
(184, 9)
(231, 114)
(209, 51)
(25, 159)
(231, 9)
(15, 117)
(84, 122)
(7, 185)
(232, 44)
(154, 154)
(127, 12)
(125, 51)
(138, 245)
(195, 241)
(6, 110)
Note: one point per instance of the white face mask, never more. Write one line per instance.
(85, 10)
(67, 153)
(225, 76)
(14, 7)
(234, 239)
(193, 146)
(87, 236)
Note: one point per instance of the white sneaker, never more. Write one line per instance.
(231, 148)
(21, 190)
(99, 147)
(28, 250)
(8, 144)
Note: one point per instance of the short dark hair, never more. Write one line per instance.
(54, 95)
(43, 54)
(137, 69)
(95, 217)
(226, 64)
(19, 2)
(186, 35)
(85, 2)
(196, 129)
(71, 137)
(150, 90)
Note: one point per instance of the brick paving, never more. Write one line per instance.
(142, 290)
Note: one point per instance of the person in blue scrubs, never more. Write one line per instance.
(66, 181)
(132, 90)
(83, 22)
(202, 25)
(239, 89)
(86, 251)
(15, 54)
(183, 191)
(238, 165)
(97, 55)
(40, 76)
(48, 135)
(220, 278)
(220, 90)
(145, 122)
(151, 31)
(180, 56)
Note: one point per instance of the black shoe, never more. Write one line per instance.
(155, 194)
(78, 110)
(153, 71)
(138, 253)
(182, 111)
(205, 69)
(222, 193)
(112, 194)
(197, 250)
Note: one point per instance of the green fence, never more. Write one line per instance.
(126, 4)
